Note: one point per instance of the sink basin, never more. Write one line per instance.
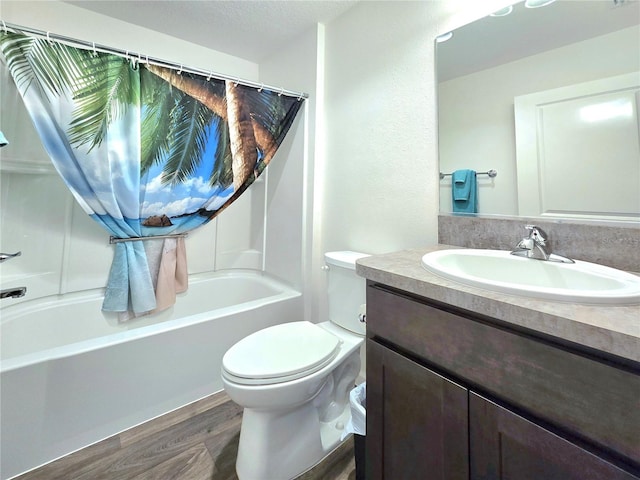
(499, 271)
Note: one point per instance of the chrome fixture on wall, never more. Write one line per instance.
(491, 173)
(6, 256)
(13, 292)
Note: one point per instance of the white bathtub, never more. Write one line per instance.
(72, 375)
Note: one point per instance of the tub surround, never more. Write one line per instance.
(614, 244)
(614, 330)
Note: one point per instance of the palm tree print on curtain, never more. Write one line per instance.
(144, 149)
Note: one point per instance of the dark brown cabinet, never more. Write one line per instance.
(451, 396)
(408, 401)
(506, 446)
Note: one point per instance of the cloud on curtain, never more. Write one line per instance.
(145, 150)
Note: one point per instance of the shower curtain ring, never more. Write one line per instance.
(4, 26)
(281, 92)
(261, 88)
(146, 59)
(300, 97)
(180, 71)
(237, 81)
(48, 38)
(209, 77)
(95, 53)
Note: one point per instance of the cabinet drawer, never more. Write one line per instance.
(589, 398)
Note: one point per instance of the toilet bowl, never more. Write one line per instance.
(293, 381)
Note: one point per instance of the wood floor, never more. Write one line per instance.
(197, 442)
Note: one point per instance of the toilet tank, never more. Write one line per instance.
(346, 290)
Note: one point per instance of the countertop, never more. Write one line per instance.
(614, 329)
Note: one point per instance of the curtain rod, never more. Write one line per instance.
(147, 59)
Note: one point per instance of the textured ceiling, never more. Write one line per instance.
(249, 29)
(255, 29)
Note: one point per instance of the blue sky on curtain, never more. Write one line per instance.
(145, 150)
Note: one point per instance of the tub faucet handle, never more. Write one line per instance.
(17, 292)
(7, 256)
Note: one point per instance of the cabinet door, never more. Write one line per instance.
(417, 421)
(504, 445)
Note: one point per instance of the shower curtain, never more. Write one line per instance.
(145, 150)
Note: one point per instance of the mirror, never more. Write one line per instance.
(514, 96)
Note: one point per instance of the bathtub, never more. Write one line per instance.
(72, 375)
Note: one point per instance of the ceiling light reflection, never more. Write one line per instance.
(537, 3)
(503, 12)
(444, 37)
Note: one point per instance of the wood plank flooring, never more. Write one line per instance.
(196, 442)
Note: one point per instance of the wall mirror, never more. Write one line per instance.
(549, 98)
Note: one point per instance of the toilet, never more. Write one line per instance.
(293, 381)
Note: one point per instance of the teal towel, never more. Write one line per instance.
(129, 286)
(464, 190)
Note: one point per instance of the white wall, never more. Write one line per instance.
(380, 184)
(380, 187)
(476, 110)
(379, 97)
(301, 66)
(290, 175)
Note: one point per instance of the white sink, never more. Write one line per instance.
(497, 270)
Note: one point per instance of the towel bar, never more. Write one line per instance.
(491, 173)
(113, 240)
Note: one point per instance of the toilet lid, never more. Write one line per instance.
(280, 353)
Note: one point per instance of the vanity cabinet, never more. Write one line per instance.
(452, 394)
(417, 419)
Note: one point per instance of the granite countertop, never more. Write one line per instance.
(614, 329)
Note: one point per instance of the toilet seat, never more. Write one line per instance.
(280, 353)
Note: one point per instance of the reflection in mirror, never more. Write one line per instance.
(549, 98)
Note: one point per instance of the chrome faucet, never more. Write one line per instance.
(13, 292)
(536, 246)
(8, 256)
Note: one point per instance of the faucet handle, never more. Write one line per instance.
(537, 234)
(7, 256)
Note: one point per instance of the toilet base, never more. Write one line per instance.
(268, 451)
